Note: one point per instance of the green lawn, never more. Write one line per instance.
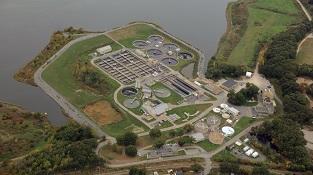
(224, 155)
(305, 55)
(191, 109)
(126, 36)
(174, 98)
(59, 75)
(266, 19)
(207, 145)
(242, 124)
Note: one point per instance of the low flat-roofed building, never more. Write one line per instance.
(255, 155)
(233, 111)
(229, 84)
(161, 108)
(249, 152)
(246, 148)
(198, 137)
(104, 50)
(154, 109)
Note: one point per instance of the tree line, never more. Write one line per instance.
(283, 134)
(71, 148)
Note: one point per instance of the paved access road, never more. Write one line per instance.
(68, 108)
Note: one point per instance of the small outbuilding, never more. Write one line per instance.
(198, 137)
(249, 74)
(229, 84)
(104, 50)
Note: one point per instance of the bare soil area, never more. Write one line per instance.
(102, 112)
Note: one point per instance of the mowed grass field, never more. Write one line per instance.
(127, 35)
(59, 75)
(266, 18)
(305, 55)
(190, 109)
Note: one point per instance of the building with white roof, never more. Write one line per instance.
(249, 74)
(246, 148)
(198, 137)
(249, 152)
(255, 154)
(104, 50)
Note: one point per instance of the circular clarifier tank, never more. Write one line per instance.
(185, 55)
(170, 47)
(129, 91)
(155, 53)
(157, 39)
(140, 44)
(169, 61)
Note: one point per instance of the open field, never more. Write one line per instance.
(242, 124)
(190, 109)
(60, 76)
(128, 34)
(21, 132)
(305, 55)
(265, 19)
(207, 145)
(174, 98)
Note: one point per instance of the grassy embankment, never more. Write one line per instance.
(251, 24)
(21, 132)
(305, 55)
(190, 109)
(60, 76)
(127, 35)
(242, 124)
(58, 40)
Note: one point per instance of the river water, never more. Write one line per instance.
(26, 25)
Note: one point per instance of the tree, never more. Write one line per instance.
(185, 140)
(188, 128)
(155, 132)
(129, 138)
(159, 143)
(137, 171)
(131, 151)
(236, 98)
(196, 168)
(260, 170)
(228, 168)
(251, 91)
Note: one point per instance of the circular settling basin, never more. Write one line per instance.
(169, 61)
(131, 103)
(140, 44)
(162, 93)
(170, 47)
(155, 53)
(129, 91)
(156, 39)
(185, 55)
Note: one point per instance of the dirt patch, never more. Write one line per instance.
(123, 33)
(103, 113)
(304, 80)
(216, 138)
(116, 155)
